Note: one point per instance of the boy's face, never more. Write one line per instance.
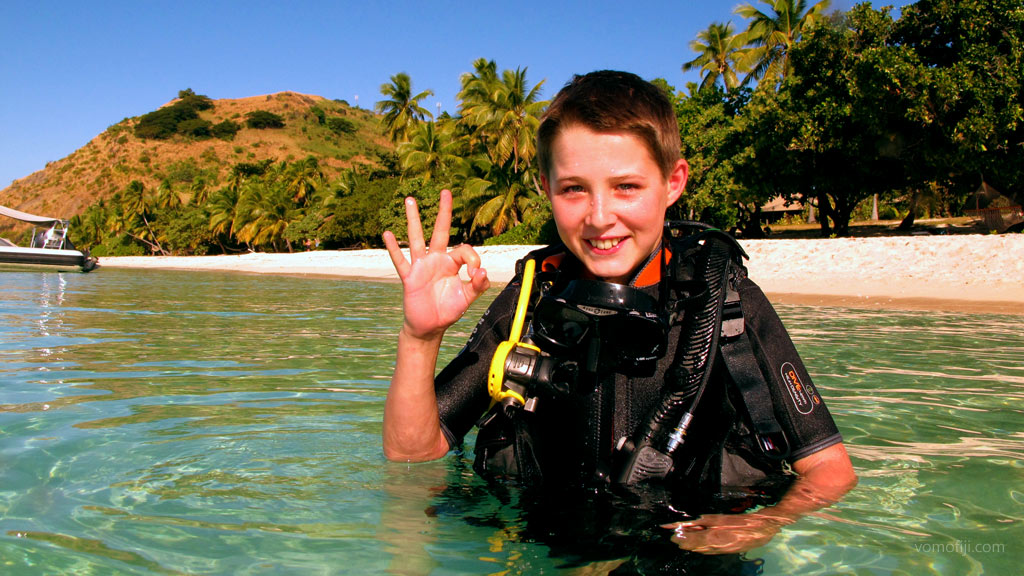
(609, 198)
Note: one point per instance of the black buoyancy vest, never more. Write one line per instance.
(573, 440)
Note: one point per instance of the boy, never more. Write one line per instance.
(608, 152)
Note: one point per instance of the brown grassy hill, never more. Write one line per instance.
(64, 188)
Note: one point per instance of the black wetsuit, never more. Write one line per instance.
(572, 439)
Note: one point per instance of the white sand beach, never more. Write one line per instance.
(982, 273)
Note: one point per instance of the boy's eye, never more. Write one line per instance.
(628, 186)
(574, 189)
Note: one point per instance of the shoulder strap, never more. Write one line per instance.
(738, 355)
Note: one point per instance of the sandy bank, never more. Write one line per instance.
(983, 273)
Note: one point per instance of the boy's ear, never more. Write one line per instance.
(544, 185)
(677, 181)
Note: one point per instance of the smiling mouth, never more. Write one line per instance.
(604, 243)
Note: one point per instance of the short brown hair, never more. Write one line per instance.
(607, 101)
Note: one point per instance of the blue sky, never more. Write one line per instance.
(71, 69)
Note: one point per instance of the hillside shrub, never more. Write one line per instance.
(340, 125)
(183, 170)
(261, 119)
(164, 123)
(196, 128)
(321, 116)
(225, 130)
(197, 102)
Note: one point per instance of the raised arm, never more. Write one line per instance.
(433, 298)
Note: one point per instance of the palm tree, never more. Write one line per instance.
(221, 208)
(265, 209)
(137, 204)
(166, 197)
(772, 34)
(504, 112)
(200, 191)
(516, 119)
(503, 201)
(303, 179)
(430, 152)
(720, 56)
(402, 109)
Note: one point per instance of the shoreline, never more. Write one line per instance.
(966, 273)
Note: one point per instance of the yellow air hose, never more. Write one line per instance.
(496, 379)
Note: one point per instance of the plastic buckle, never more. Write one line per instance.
(773, 445)
(732, 320)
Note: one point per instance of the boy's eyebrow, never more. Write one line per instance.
(614, 178)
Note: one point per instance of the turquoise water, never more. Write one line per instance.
(158, 422)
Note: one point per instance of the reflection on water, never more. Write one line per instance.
(158, 422)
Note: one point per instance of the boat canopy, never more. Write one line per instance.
(26, 217)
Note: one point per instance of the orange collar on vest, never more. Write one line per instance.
(649, 274)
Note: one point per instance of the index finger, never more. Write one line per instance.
(443, 224)
(417, 248)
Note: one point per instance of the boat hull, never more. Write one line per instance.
(44, 259)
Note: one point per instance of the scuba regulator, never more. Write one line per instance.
(585, 328)
(519, 369)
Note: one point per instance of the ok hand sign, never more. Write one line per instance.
(433, 295)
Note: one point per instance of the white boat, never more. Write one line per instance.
(51, 249)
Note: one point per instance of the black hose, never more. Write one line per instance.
(648, 454)
(691, 370)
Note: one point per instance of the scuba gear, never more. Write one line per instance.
(611, 327)
(518, 367)
(612, 335)
(649, 453)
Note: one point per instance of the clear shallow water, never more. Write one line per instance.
(202, 423)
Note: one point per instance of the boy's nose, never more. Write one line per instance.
(600, 214)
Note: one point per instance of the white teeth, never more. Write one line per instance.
(604, 244)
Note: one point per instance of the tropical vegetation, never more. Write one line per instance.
(827, 110)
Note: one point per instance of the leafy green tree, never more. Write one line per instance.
(197, 102)
(318, 112)
(773, 32)
(968, 108)
(182, 230)
(831, 135)
(720, 56)
(163, 123)
(401, 108)
(350, 214)
(181, 116)
(392, 213)
(711, 143)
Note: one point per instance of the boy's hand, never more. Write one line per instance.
(433, 294)
(726, 533)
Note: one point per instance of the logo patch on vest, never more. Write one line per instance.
(804, 397)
